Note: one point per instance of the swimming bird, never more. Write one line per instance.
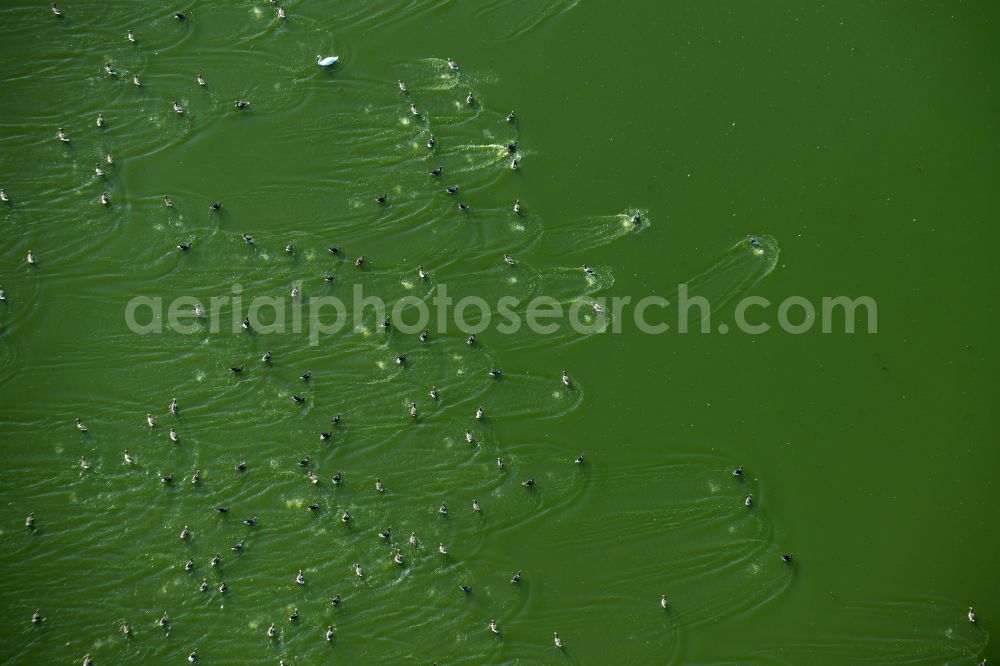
(528, 483)
(313, 478)
(436, 171)
(326, 61)
(358, 570)
(434, 393)
(471, 340)
(168, 478)
(475, 506)
(431, 142)
(196, 477)
(402, 86)
(499, 463)
(164, 620)
(314, 506)
(201, 80)
(185, 533)
(105, 199)
(443, 509)
(738, 471)
(87, 661)
(172, 407)
(250, 522)
(421, 273)
(464, 208)
(222, 509)
(246, 324)
(129, 458)
(36, 617)
(512, 147)
(636, 219)
(385, 534)
(84, 463)
(281, 12)
(494, 627)
(663, 601)
(587, 270)
(173, 436)
(167, 201)
(329, 633)
(100, 120)
(215, 206)
(748, 501)
(443, 549)
(469, 99)
(469, 437)
(465, 588)
(378, 486)
(452, 190)
(193, 655)
(216, 561)
(787, 557)
(238, 546)
(496, 373)
(324, 436)
(337, 478)
(401, 359)
(109, 158)
(398, 558)
(360, 261)
(4, 197)
(130, 36)
(236, 369)
(335, 601)
(452, 65)
(3, 295)
(31, 258)
(109, 70)
(249, 240)
(29, 521)
(480, 413)
(509, 260)
(136, 81)
(304, 462)
(424, 335)
(180, 16)
(61, 135)
(126, 628)
(579, 459)
(517, 207)
(272, 631)
(241, 104)
(335, 250)
(510, 117)
(972, 615)
(241, 466)
(178, 109)
(265, 357)
(336, 419)
(557, 640)
(151, 420)
(413, 538)
(294, 616)
(330, 278)
(566, 380)
(56, 10)
(516, 578)
(81, 426)
(345, 517)
(299, 578)
(514, 164)
(189, 565)
(413, 110)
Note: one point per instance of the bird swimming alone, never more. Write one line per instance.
(558, 641)
(431, 142)
(402, 86)
(201, 80)
(100, 120)
(327, 60)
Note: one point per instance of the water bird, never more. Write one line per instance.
(469, 437)
(469, 99)
(241, 466)
(189, 565)
(335, 250)
(398, 558)
(56, 10)
(109, 158)
(241, 104)
(579, 459)
(424, 335)
(222, 509)
(437, 171)
(29, 521)
(236, 369)
(173, 436)
(636, 219)
(130, 36)
(299, 398)
(421, 273)
(105, 199)
(84, 463)
(304, 462)
(329, 633)
(787, 557)
(178, 109)
(587, 270)
(180, 16)
(4, 197)
(401, 359)
(528, 483)
(452, 190)
(3, 295)
(87, 660)
(109, 70)
(201, 80)
(443, 509)
(151, 420)
(330, 278)
(306, 376)
(385, 534)
(381, 199)
(512, 147)
(326, 61)
(294, 616)
(164, 620)
(494, 627)
(748, 501)
(464, 208)
(314, 506)
(509, 260)
(128, 458)
(345, 517)
(272, 631)
(336, 419)
(516, 578)
(238, 546)
(443, 549)
(168, 478)
(452, 65)
(81, 426)
(266, 357)
(517, 206)
(465, 588)
(216, 561)
(753, 240)
(98, 170)
(31, 258)
(413, 410)
(510, 117)
(663, 601)
(299, 578)
(434, 393)
(413, 110)
(495, 373)
(471, 340)
(167, 201)
(402, 86)
(358, 571)
(100, 120)
(431, 141)
(246, 324)
(185, 533)
(413, 538)
(557, 640)
(36, 617)
(196, 477)
(514, 164)
(972, 615)
(335, 601)
(172, 407)
(282, 14)
(249, 240)
(337, 478)
(480, 413)
(136, 81)
(475, 506)
(193, 655)
(360, 261)
(324, 436)
(126, 628)
(61, 135)
(250, 522)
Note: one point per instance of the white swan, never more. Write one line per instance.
(327, 61)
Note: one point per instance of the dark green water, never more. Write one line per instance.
(859, 141)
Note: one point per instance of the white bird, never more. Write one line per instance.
(327, 61)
